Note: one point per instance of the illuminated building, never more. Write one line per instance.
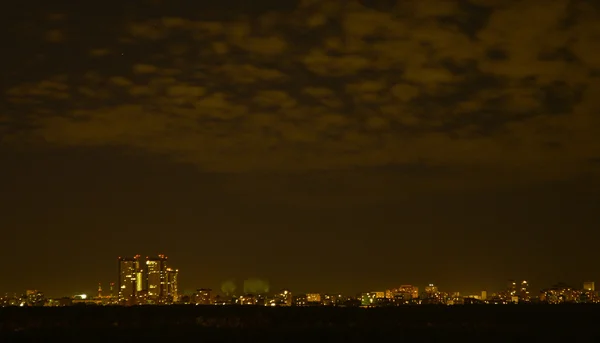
(172, 285)
(483, 295)
(33, 298)
(313, 298)
(130, 278)
(299, 300)
(218, 300)
(524, 292)
(368, 299)
(402, 294)
(9, 300)
(60, 302)
(202, 297)
(248, 299)
(330, 300)
(455, 299)
(560, 293)
(431, 289)
(156, 278)
(589, 294)
(150, 282)
(432, 295)
(512, 288)
(284, 298)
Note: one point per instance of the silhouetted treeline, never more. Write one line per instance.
(486, 322)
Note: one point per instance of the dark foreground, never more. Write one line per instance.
(477, 323)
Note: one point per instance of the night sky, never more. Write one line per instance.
(325, 146)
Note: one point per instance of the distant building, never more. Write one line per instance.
(248, 299)
(149, 282)
(60, 302)
(33, 298)
(112, 289)
(203, 296)
(156, 278)
(368, 299)
(560, 293)
(431, 289)
(589, 286)
(511, 289)
(299, 300)
(313, 298)
(284, 298)
(130, 280)
(172, 285)
(432, 295)
(524, 292)
(330, 300)
(402, 294)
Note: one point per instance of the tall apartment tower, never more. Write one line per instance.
(149, 281)
(512, 288)
(172, 294)
(524, 291)
(131, 278)
(156, 278)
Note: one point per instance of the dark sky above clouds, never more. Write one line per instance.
(322, 145)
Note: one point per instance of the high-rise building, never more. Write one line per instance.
(130, 280)
(151, 281)
(589, 286)
(511, 288)
(172, 294)
(156, 278)
(524, 291)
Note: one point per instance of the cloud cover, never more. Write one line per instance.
(478, 88)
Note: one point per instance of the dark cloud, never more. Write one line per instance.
(328, 86)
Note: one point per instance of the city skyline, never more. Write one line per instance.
(320, 145)
(258, 292)
(152, 280)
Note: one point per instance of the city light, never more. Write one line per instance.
(153, 282)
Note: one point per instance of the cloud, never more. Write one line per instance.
(99, 52)
(247, 73)
(56, 16)
(274, 99)
(263, 45)
(337, 85)
(55, 36)
(120, 81)
(144, 69)
(54, 89)
(320, 63)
